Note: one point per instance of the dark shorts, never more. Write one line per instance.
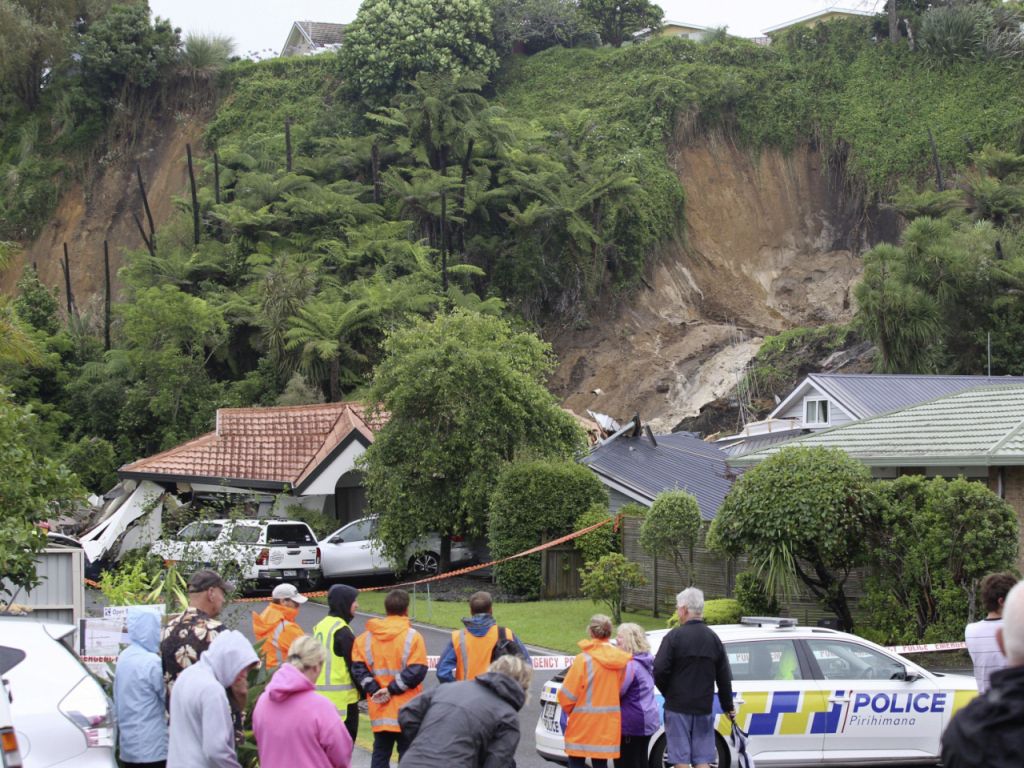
(691, 738)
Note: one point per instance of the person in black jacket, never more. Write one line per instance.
(469, 724)
(990, 730)
(690, 661)
(341, 604)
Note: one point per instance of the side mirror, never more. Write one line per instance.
(905, 675)
(336, 540)
(10, 695)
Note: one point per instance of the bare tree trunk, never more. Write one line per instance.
(195, 196)
(106, 297)
(142, 232)
(149, 213)
(66, 268)
(894, 27)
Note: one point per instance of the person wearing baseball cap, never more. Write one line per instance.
(188, 635)
(276, 626)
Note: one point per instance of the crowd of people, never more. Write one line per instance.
(180, 692)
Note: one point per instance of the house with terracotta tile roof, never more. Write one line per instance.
(292, 455)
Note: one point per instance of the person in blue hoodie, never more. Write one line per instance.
(640, 714)
(139, 693)
(480, 643)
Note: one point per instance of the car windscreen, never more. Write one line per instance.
(10, 658)
(289, 533)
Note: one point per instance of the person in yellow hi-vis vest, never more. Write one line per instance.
(389, 662)
(471, 650)
(336, 681)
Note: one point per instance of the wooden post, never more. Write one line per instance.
(106, 297)
(216, 178)
(375, 171)
(149, 213)
(195, 196)
(66, 268)
(288, 143)
(935, 160)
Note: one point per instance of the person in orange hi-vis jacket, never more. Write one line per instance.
(389, 661)
(276, 626)
(590, 698)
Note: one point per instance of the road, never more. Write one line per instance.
(238, 616)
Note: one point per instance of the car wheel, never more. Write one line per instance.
(724, 756)
(425, 563)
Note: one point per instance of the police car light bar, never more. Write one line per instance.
(767, 621)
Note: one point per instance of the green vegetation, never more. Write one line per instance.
(802, 514)
(531, 502)
(606, 579)
(532, 622)
(671, 528)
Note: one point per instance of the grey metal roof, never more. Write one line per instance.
(981, 426)
(321, 33)
(758, 442)
(872, 394)
(679, 461)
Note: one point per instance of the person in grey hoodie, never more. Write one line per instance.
(202, 733)
(139, 693)
(469, 724)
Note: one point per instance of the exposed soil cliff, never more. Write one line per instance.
(101, 209)
(771, 242)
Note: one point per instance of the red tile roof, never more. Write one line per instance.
(269, 445)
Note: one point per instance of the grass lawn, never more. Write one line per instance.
(555, 624)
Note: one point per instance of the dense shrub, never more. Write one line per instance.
(605, 581)
(753, 598)
(721, 611)
(600, 542)
(532, 501)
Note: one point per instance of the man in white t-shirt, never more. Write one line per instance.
(981, 635)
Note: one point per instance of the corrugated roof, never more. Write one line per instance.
(872, 394)
(321, 33)
(282, 445)
(679, 461)
(982, 426)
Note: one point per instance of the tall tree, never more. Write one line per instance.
(617, 20)
(464, 394)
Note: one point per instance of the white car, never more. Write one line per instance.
(61, 715)
(10, 752)
(266, 551)
(352, 551)
(811, 696)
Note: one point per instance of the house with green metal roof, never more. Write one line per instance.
(977, 433)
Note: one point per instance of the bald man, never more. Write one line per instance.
(990, 730)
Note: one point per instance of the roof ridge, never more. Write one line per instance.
(1005, 438)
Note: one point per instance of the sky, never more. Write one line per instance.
(262, 25)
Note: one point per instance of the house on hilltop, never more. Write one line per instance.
(671, 28)
(311, 37)
(278, 457)
(818, 17)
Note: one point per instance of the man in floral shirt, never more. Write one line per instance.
(186, 637)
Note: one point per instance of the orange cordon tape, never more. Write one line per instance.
(449, 574)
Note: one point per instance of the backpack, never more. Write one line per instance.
(505, 646)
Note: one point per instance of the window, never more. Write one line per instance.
(245, 534)
(764, 660)
(360, 530)
(841, 660)
(816, 411)
(200, 532)
(290, 533)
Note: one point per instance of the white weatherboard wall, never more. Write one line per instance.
(343, 463)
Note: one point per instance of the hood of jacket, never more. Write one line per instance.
(339, 600)
(646, 660)
(263, 624)
(286, 682)
(144, 627)
(504, 687)
(229, 654)
(388, 628)
(479, 623)
(605, 654)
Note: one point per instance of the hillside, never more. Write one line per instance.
(655, 211)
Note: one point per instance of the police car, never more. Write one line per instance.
(810, 696)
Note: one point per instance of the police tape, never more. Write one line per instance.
(927, 647)
(539, 662)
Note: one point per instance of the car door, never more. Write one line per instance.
(776, 700)
(875, 711)
(347, 551)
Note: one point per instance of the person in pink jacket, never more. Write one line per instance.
(292, 723)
